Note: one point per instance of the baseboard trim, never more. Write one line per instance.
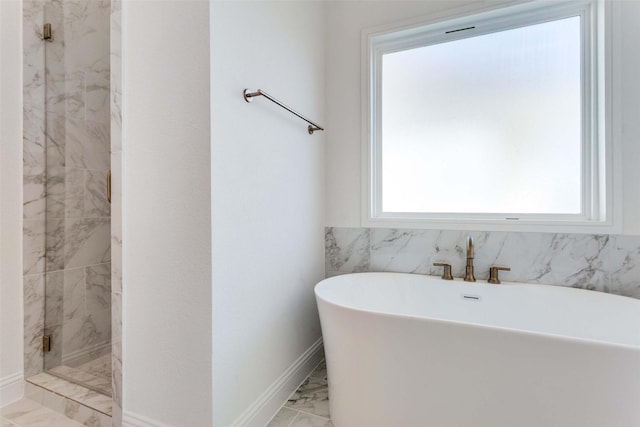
(11, 388)
(131, 419)
(260, 412)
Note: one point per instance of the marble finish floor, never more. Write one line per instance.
(69, 391)
(95, 374)
(309, 405)
(27, 413)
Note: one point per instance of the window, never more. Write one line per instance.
(494, 118)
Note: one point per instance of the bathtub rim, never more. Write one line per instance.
(559, 337)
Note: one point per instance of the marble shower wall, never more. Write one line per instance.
(116, 213)
(34, 185)
(606, 263)
(66, 156)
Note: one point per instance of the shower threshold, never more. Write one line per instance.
(64, 396)
(94, 374)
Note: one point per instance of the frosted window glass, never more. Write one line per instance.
(487, 124)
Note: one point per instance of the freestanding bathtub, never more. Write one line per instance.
(406, 350)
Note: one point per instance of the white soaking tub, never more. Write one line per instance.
(406, 350)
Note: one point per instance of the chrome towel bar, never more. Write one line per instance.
(248, 96)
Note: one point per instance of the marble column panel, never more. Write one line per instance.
(74, 193)
(34, 192)
(69, 286)
(55, 58)
(87, 144)
(34, 153)
(98, 288)
(65, 293)
(97, 93)
(115, 73)
(55, 140)
(33, 323)
(73, 99)
(85, 334)
(116, 212)
(53, 358)
(33, 149)
(95, 195)
(74, 294)
(55, 243)
(87, 242)
(87, 61)
(116, 352)
(116, 222)
(34, 170)
(34, 242)
(55, 185)
(54, 294)
(88, 20)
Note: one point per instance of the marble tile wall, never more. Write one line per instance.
(34, 185)
(116, 212)
(607, 263)
(67, 233)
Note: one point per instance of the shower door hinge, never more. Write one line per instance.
(46, 343)
(46, 32)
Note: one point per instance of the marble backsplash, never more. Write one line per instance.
(607, 263)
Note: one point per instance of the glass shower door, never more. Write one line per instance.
(78, 252)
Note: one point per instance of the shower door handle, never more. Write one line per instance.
(109, 186)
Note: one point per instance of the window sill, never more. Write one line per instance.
(527, 226)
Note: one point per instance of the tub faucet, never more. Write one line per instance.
(468, 276)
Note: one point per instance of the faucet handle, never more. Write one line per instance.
(446, 275)
(493, 274)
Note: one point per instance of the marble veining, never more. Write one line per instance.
(309, 404)
(347, 249)
(595, 262)
(116, 211)
(34, 242)
(93, 374)
(34, 311)
(87, 242)
(27, 413)
(72, 410)
(98, 288)
(74, 392)
(95, 199)
(66, 147)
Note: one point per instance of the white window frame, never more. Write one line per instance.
(601, 170)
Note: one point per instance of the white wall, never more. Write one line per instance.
(166, 213)
(11, 345)
(345, 22)
(629, 31)
(268, 187)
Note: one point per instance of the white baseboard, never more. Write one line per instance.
(260, 412)
(11, 388)
(131, 419)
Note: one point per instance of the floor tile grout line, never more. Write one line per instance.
(294, 418)
(296, 390)
(315, 415)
